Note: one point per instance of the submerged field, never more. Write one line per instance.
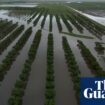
(92, 8)
(44, 50)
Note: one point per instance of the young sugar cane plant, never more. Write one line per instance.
(50, 87)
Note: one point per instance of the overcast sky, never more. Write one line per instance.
(52, 0)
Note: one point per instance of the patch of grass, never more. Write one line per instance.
(77, 35)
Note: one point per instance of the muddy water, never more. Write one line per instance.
(13, 74)
(63, 83)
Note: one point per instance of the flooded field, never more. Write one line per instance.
(44, 50)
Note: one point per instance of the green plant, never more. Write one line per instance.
(72, 67)
(88, 57)
(20, 85)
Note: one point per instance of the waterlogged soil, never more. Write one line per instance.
(8, 49)
(63, 83)
(90, 43)
(13, 73)
(34, 93)
(4, 14)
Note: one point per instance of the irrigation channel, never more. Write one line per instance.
(44, 50)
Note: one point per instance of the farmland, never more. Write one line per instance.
(93, 8)
(44, 50)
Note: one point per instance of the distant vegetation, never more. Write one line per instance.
(88, 6)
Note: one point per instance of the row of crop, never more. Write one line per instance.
(69, 27)
(20, 85)
(11, 56)
(2, 22)
(44, 19)
(90, 60)
(3, 29)
(38, 18)
(50, 87)
(97, 27)
(88, 24)
(37, 10)
(72, 67)
(6, 24)
(76, 24)
(50, 22)
(58, 23)
(31, 18)
(99, 48)
(6, 42)
(8, 30)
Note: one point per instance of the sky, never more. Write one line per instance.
(52, 0)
